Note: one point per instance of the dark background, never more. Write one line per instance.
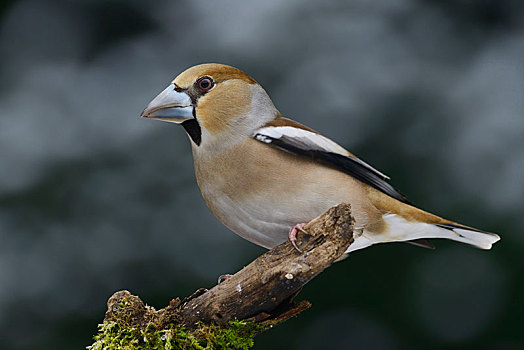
(94, 199)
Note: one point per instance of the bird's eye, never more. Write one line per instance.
(205, 83)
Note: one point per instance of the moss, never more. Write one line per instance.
(239, 335)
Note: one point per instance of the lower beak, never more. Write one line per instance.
(170, 106)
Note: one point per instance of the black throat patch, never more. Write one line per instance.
(193, 130)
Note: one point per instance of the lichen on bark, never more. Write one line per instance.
(238, 335)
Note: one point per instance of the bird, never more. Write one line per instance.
(265, 176)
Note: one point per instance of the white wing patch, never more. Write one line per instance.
(308, 140)
(313, 140)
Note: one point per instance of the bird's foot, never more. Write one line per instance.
(293, 234)
(223, 278)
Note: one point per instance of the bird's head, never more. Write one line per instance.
(217, 105)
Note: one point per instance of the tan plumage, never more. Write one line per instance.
(260, 173)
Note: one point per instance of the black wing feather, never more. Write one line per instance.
(343, 163)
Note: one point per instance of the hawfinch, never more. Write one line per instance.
(264, 176)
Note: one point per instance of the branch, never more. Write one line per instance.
(261, 293)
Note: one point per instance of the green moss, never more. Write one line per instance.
(239, 335)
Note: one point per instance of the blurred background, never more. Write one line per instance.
(94, 200)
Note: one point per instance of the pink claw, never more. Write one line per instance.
(223, 278)
(293, 234)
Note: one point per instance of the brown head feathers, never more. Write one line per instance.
(218, 72)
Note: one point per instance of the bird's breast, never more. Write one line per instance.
(260, 192)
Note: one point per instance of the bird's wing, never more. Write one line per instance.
(305, 142)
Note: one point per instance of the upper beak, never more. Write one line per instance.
(170, 106)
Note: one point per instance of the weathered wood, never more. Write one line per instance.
(261, 292)
(276, 276)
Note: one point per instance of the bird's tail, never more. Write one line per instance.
(401, 230)
(472, 236)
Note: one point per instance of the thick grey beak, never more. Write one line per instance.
(170, 106)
